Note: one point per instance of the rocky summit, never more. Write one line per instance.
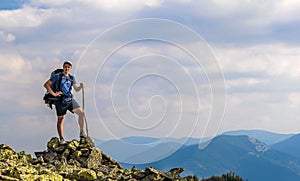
(76, 160)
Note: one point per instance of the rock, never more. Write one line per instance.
(94, 159)
(83, 174)
(134, 168)
(175, 172)
(87, 142)
(73, 145)
(53, 144)
(108, 160)
(6, 147)
(76, 160)
(87, 174)
(49, 176)
(50, 156)
(66, 153)
(8, 178)
(156, 174)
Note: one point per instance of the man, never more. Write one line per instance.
(66, 101)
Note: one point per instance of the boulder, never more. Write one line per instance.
(94, 159)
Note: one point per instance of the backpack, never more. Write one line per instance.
(48, 98)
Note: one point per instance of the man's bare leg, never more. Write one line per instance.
(60, 128)
(81, 117)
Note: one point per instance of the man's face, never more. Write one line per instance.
(67, 68)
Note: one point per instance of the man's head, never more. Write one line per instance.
(67, 66)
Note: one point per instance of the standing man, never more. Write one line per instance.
(66, 100)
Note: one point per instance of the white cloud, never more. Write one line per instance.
(286, 11)
(255, 110)
(25, 17)
(294, 100)
(273, 60)
(109, 6)
(7, 37)
(261, 12)
(243, 82)
(51, 3)
(22, 80)
(12, 65)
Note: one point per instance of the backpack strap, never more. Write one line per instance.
(72, 80)
(58, 83)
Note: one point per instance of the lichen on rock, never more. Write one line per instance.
(76, 160)
(94, 159)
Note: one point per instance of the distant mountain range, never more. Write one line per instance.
(277, 157)
(144, 149)
(289, 146)
(267, 137)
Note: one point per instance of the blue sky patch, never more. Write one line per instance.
(12, 4)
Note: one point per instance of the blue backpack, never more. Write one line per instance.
(48, 98)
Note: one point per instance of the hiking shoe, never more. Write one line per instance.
(82, 134)
(62, 141)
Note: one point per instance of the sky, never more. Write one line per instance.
(157, 68)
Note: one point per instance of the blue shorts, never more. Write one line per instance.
(61, 107)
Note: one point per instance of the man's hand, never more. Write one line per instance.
(78, 87)
(57, 94)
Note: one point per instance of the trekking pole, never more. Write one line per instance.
(82, 98)
(86, 125)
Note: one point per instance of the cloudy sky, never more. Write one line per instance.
(151, 67)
